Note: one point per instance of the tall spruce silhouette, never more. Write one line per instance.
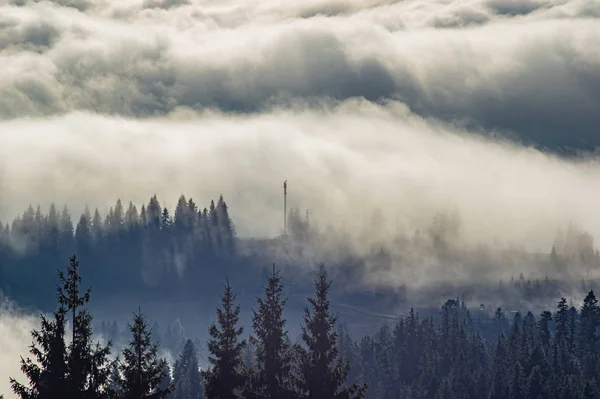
(186, 374)
(47, 374)
(143, 372)
(88, 366)
(226, 377)
(321, 372)
(271, 377)
(77, 370)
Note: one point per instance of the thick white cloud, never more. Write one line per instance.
(15, 338)
(294, 87)
(526, 67)
(360, 104)
(341, 162)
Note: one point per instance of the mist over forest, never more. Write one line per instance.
(440, 157)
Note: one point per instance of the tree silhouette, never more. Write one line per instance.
(226, 377)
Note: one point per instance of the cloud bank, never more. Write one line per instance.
(15, 338)
(526, 68)
(403, 107)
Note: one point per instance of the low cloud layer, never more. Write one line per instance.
(15, 338)
(528, 69)
(401, 107)
(342, 163)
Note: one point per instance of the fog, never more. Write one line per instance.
(487, 108)
(15, 337)
(405, 108)
(342, 163)
(359, 105)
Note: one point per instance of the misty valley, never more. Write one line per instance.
(307, 314)
(439, 236)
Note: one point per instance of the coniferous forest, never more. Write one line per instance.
(439, 239)
(151, 250)
(450, 355)
(449, 351)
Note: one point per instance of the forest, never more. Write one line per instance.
(454, 354)
(126, 250)
(154, 251)
(456, 350)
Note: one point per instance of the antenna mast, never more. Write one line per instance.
(285, 208)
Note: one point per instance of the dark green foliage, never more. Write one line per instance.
(125, 250)
(271, 377)
(226, 377)
(115, 381)
(226, 229)
(166, 384)
(186, 374)
(78, 369)
(88, 369)
(47, 374)
(142, 372)
(451, 353)
(587, 345)
(321, 373)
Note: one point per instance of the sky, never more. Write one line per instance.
(488, 107)
(407, 106)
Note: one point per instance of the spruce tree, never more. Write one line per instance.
(544, 329)
(226, 377)
(273, 355)
(166, 384)
(535, 384)
(562, 322)
(115, 382)
(88, 366)
(47, 374)
(226, 227)
(321, 372)
(73, 370)
(142, 371)
(588, 335)
(186, 374)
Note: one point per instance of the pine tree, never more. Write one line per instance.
(535, 384)
(97, 227)
(142, 371)
(165, 221)
(215, 233)
(83, 231)
(321, 373)
(88, 370)
(226, 377)
(273, 355)
(118, 217)
(132, 218)
(76, 370)
(166, 384)
(518, 386)
(115, 382)
(153, 213)
(226, 227)
(562, 322)
(588, 336)
(187, 379)
(181, 217)
(544, 329)
(47, 374)
(52, 228)
(500, 370)
(65, 230)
